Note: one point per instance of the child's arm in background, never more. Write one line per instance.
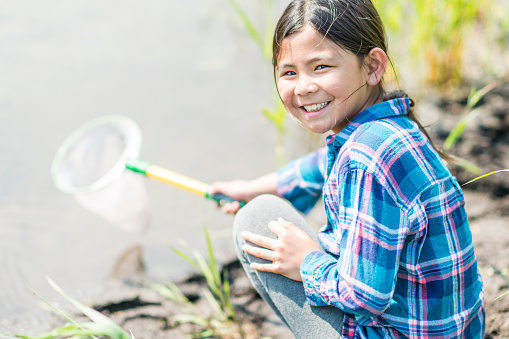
(300, 182)
(245, 190)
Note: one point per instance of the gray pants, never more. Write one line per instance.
(286, 297)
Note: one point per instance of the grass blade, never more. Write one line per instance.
(56, 310)
(466, 165)
(227, 292)
(204, 267)
(58, 332)
(186, 258)
(269, 29)
(102, 324)
(84, 330)
(247, 24)
(485, 175)
(207, 273)
(222, 321)
(190, 318)
(476, 95)
(214, 304)
(276, 117)
(458, 130)
(473, 99)
(500, 296)
(213, 267)
(171, 292)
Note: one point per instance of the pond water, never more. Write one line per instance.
(188, 74)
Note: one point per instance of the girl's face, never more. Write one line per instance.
(321, 85)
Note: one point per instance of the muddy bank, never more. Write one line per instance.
(485, 143)
(134, 305)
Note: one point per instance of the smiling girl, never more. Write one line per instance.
(395, 258)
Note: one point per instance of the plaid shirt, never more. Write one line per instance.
(399, 258)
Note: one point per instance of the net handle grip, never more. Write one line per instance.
(177, 180)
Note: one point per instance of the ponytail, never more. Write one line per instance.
(411, 114)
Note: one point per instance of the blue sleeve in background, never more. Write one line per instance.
(301, 181)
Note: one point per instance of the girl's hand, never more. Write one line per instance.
(287, 252)
(245, 190)
(236, 189)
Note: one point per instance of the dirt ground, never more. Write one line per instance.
(485, 143)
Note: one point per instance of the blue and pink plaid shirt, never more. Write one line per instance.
(399, 258)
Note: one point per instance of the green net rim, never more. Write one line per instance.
(132, 150)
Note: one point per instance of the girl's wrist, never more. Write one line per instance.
(266, 184)
(305, 261)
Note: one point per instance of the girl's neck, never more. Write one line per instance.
(373, 98)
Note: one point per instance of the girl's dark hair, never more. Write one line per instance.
(353, 25)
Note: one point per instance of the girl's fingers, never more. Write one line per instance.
(231, 208)
(259, 252)
(217, 187)
(283, 222)
(259, 240)
(281, 226)
(264, 267)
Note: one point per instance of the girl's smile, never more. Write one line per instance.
(314, 107)
(321, 84)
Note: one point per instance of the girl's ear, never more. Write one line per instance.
(377, 61)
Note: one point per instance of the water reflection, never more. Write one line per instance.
(185, 71)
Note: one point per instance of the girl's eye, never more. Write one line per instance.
(319, 67)
(289, 73)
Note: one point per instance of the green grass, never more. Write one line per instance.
(100, 325)
(469, 114)
(485, 175)
(435, 31)
(219, 287)
(222, 322)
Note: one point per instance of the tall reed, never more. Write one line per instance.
(275, 114)
(434, 31)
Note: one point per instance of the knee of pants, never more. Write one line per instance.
(252, 216)
(256, 215)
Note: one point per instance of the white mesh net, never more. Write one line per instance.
(90, 165)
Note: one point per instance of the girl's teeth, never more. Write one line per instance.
(315, 107)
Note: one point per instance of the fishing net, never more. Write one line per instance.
(90, 165)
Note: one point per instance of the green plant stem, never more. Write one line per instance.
(218, 295)
(248, 24)
(485, 175)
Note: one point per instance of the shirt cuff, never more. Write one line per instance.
(312, 271)
(288, 187)
(286, 180)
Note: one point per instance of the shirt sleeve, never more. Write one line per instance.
(301, 181)
(371, 236)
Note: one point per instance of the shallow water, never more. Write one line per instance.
(192, 79)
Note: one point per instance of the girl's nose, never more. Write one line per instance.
(304, 86)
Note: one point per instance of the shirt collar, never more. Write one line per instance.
(386, 109)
